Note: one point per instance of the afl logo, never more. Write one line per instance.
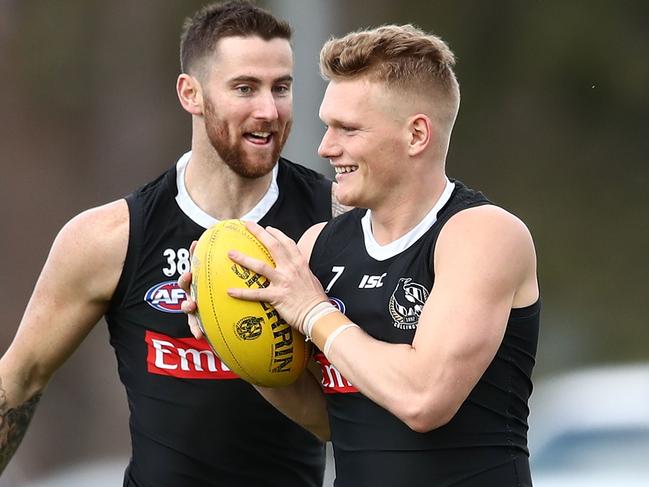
(339, 305)
(166, 296)
(406, 303)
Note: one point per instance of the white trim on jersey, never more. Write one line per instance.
(384, 252)
(205, 220)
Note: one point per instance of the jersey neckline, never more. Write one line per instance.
(205, 220)
(385, 252)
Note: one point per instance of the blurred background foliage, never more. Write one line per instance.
(554, 126)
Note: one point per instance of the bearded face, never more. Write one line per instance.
(250, 145)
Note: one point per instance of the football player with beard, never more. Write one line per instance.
(192, 422)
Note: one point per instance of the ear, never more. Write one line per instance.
(190, 94)
(420, 134)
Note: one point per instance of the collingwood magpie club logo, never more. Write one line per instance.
(406, 303)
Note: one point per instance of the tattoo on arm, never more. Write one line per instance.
(13, 425)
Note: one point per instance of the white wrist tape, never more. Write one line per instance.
(317, 312)
(335, 334)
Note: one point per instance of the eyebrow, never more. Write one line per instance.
(336, 123)
(254, 79)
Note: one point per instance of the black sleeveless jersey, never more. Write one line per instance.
(485, 444)
(193, 423)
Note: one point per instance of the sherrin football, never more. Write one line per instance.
(249, 336)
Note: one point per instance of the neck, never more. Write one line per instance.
(216, 189)
(395, 217)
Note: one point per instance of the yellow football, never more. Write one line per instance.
(249, 336)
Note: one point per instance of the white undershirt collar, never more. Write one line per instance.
(384, 252)
(205, 220)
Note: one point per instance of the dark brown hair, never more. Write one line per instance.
(213, 22)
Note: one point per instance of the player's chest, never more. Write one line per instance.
(385, 298)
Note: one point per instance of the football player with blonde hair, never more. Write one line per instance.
(423, 302)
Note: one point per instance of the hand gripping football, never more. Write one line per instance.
(249, 336)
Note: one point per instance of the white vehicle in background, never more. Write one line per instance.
(590, 428)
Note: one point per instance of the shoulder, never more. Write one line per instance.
(344, 224)
(308, 239)
(487, 220)
(97, 240)
(100, 231)
(340, 234)
(100, 223)
(162, 186)
(488, 234)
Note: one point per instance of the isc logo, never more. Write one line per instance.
(370, 282)
(166, 296)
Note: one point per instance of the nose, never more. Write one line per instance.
(266, 107)
(329, 148)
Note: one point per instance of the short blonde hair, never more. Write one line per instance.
(403, 57)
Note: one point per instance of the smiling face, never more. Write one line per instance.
(247, 97)
(366, 140)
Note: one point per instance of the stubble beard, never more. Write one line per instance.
(234, 154)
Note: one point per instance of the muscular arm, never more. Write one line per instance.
(303, 402)
(13, 424)
(70, 296)
(484, 266)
